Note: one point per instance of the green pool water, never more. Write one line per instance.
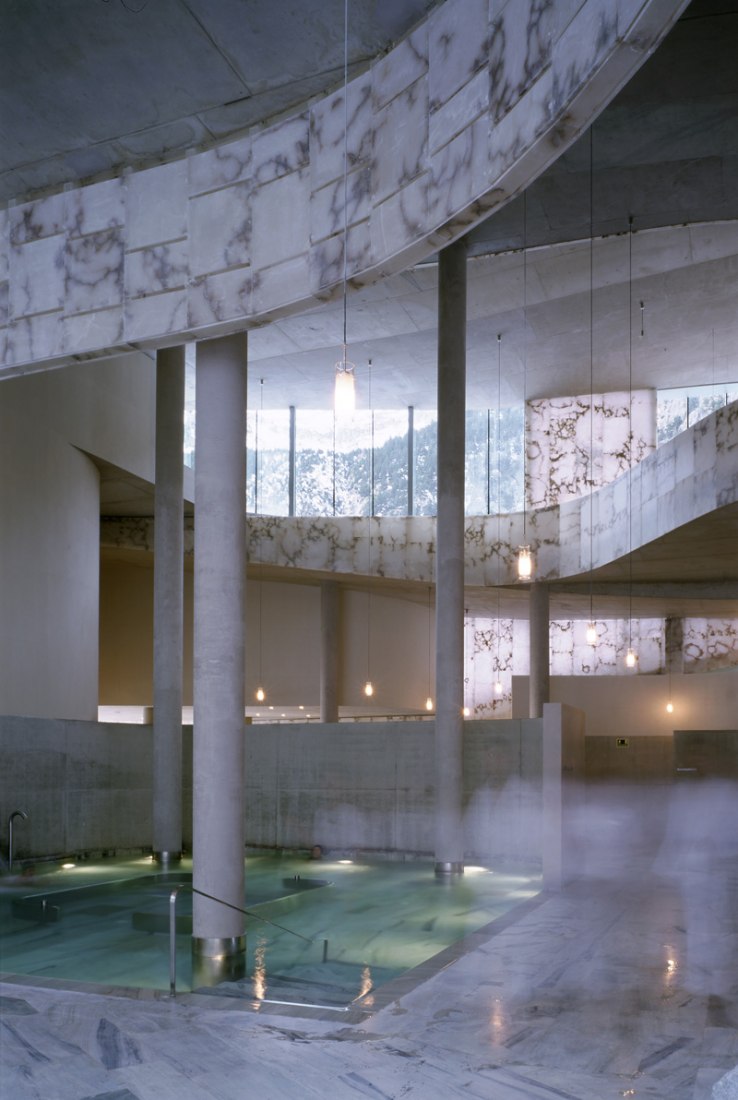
(107, 923)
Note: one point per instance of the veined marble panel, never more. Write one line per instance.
(575, 444)
(328, 127)
(281, 149)
(4, 245)
(458, 44)
(95, 208)
(156, 314)
(4, 303)
(450, 123)
(93, 274)
(400, 68)
(31, 221)
(400, 141)
(157, 204)
(151, 270)
(221, 166)
(220, 229)
(280, 214)
(37, 276)
(709, 644)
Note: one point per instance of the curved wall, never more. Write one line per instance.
(446, 127)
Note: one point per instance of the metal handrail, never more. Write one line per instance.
(11, 819)
(229, 905)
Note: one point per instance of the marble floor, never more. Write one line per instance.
(623, 985)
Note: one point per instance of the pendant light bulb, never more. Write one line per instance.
(630, 658)
(670, 707)
(525, 563)
(260, 694)
(591, 634)
(344, 396)
(429, 703)
(498, 687)
(368, 689)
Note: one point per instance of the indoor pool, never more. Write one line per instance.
(358, 925)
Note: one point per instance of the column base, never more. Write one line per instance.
(218, 959)
(443, 870)
(167, 859)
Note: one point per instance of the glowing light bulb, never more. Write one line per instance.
(630, 659)
(260, 694)
(429, 703)
(591, 634)
(670, 707)
(368, 689)
(344, 394)
(498, 687)
(525, 562)
(466, 712)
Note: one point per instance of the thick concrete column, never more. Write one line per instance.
(218, 940)
(168, 599)
(329, 651)
(538, 684)
(449, 841)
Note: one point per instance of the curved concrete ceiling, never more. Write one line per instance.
(90, 86)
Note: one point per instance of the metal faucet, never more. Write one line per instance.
(15, 813)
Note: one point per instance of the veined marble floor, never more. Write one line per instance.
(621, 986)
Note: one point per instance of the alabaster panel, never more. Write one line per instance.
(33, 338)
(221, 166)
(458, 112)
(284, 283)
(220, 297)
(157, 204)
(37, 277)
(459, 173)
(94, 208)
(4, 245)
(400, 141)
(280, 150)
(93, 271)
(151, 270)
(584, 44)
(513, 134)
(709, 644)
(393, 222)
(326, 257)
(31, 221)
(4, 303)
(157, 315)
(457, 46)
(220, 229)
(87, 331)
(329, 152)
(402, 66)
(280, 219)
(522, 36)
(327, 217)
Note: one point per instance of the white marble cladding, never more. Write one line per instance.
(448, 125)
(574, 443)
(693, 474)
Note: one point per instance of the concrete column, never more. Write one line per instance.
(329, 650)
(539, 681)
(168, 599)
(449, 841)
(218, 941)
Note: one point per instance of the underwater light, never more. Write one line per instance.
(345, 861)
(68, 866)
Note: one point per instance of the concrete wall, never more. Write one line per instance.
(634, 706)
(386, 637)
(87, 787)
(49, 501)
